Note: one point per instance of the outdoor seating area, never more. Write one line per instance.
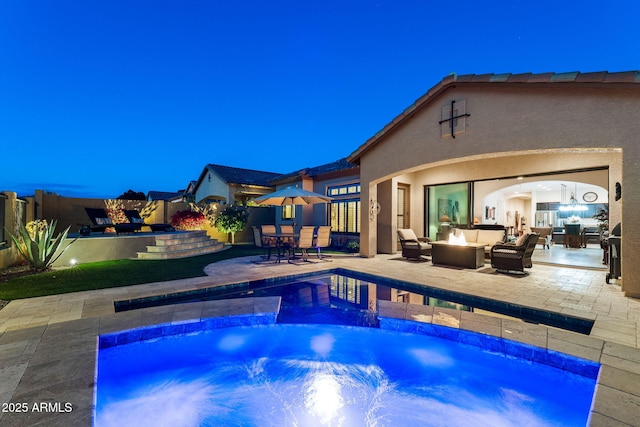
(287, 244)
(101, 222)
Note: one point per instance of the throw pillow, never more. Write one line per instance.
(521, 240)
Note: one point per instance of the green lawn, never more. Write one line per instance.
(111, 274)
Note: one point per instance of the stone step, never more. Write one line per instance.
(177, 238)
(182, 253)
(190, 244)
(181, 245)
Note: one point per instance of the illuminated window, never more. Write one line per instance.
(288, 212)
(345, 216)
(344, 210)
(343, 190)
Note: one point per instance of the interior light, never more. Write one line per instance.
(573, 208)
(73, 262)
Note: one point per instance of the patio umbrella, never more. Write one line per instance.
(292, 196)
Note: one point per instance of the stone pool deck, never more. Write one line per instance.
(48, 344)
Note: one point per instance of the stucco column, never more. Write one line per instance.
(629, 206)
(368, 219)
(387, 218)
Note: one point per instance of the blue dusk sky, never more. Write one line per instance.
(101, 96)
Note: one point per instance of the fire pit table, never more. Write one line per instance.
(468, 255)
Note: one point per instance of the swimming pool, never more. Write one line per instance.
(275, 374)
(352, 297)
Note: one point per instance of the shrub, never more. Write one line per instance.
(353, 246)
(115, 210)
(188, 220)
(232, 219)
(36, 243)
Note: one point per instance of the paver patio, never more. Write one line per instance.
(48, 344)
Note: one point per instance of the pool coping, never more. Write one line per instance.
(58, 360)
(548, 318)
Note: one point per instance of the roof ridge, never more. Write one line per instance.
(631, 76)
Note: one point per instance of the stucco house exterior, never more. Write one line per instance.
(471, 133)
(229, 185)
(339, 180)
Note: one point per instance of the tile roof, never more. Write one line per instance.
(243, 176)
(575, 77)
(338, 165)
(163, 195)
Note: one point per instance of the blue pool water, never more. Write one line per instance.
(346, 297)
(329, 375)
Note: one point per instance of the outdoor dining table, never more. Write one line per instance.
(280, 239)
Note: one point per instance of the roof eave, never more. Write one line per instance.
(548, 79)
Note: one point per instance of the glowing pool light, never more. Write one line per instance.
(329, 375)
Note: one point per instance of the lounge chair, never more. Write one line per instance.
(412, 246)
(135, 218)
(101, 222)
(516, 256)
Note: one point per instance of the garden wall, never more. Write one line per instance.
(12, 210)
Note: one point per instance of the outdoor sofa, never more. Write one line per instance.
(489, 238)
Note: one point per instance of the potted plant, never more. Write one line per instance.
(603, 219)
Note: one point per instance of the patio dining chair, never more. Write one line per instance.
(262, 240)
(323, 240)
(290, 241)
(305, 241)
(258, 241)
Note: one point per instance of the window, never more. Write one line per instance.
(345, 216)
(344, 211)
(288, 212)
(343, 190)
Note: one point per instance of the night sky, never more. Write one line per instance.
(98, 97)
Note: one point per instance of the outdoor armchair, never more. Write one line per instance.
(514, 256)
(412, 246)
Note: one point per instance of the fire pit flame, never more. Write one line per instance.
(457, 240)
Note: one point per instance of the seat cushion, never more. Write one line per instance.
(522, 240)
(407, 234)
(490, 237)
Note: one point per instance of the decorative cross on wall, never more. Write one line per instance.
(454, 113)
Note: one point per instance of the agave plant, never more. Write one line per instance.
(40, 247)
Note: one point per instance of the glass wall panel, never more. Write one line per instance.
(447, 207)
